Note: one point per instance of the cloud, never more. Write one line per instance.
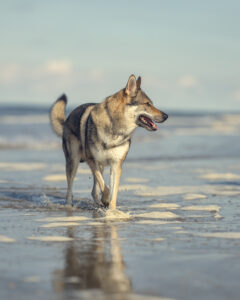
(58, 67)
(12, 73)
(188, 82)
(46, 80)
(236, 95)
(96, 75)
(154, 81)
(9, 73)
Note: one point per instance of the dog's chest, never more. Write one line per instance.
(107, 155)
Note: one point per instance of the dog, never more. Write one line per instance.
(100, 135)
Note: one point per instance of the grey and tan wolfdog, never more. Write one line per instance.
(100, 134)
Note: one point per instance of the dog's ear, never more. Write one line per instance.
(131, 87)
(139, 80)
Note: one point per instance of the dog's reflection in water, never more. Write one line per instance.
(96, 263)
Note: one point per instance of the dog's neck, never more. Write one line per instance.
(116, 126)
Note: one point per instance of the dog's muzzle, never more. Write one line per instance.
(149, 123)
(160, 119)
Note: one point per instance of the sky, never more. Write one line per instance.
(187, 52)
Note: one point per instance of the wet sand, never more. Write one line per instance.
(176, 234)
(173, 243)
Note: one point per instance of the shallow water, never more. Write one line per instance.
(176, 234)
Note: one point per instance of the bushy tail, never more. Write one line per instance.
(57, 115)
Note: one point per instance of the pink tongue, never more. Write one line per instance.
(152, 124)
(155, 126)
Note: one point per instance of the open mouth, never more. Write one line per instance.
(147, 123)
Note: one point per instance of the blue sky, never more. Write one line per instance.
(187, 52)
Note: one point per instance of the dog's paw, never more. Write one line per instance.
(99, 204)
(69, 199)
(106, 197)
(105, 202)
(112, 214)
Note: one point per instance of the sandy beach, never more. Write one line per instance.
(176, 234)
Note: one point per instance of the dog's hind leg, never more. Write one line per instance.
(98, 180)
(71, 169)
(72, 155)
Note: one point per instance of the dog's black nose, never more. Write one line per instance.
(165, 116)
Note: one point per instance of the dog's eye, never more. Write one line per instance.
(133, 102)
(148, 103)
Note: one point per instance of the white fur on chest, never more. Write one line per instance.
(105, 156)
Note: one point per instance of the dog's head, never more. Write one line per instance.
(140, 107)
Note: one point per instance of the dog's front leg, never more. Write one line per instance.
(115, 175)
(98, 179)
(96, 191)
